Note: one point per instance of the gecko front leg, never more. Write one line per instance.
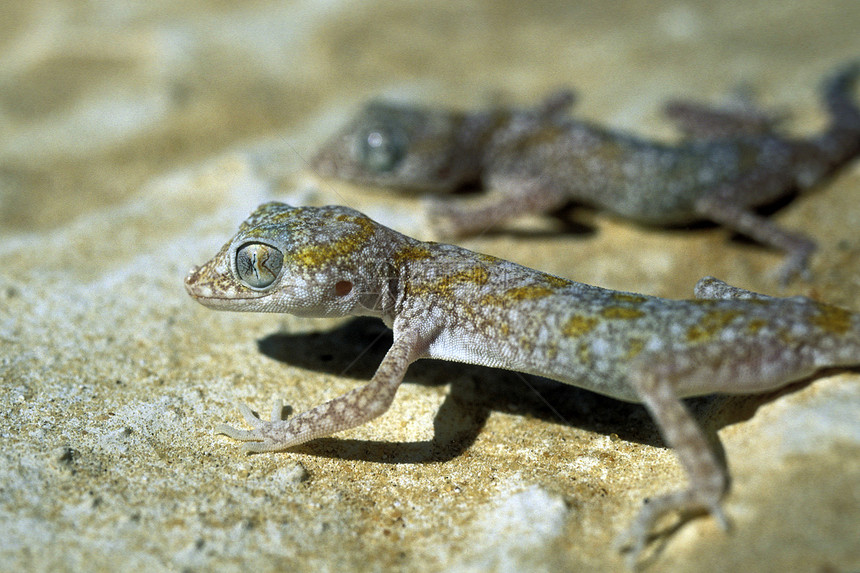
(347, 411)
(510, 196)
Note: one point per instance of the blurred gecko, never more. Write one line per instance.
(446, 302)
(536, 161)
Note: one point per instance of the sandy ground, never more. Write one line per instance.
(134, 137)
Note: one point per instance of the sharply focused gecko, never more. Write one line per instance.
(538, 160)
(446, 302)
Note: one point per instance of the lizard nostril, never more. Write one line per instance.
(191, 277)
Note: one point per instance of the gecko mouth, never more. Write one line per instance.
(204, 287)
(221, 292)
(225, 300)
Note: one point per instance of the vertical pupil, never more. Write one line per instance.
(258, 265)
(252, 264)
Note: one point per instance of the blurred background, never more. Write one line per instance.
(135, 136)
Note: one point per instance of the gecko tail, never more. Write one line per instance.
(840, 142)
(839, 98)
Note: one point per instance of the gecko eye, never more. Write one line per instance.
(381, 148)
(258, 264)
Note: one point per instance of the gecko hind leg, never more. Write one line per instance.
(740, 115)
(710, 288)
(557, 104)
(701, 121)
(708, 477)
(721, 209)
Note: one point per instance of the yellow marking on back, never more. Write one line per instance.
(585, 354)
(755, 325)
(578, 325)
(411, 253)
(489, 259)
(711, 324)
(516, 294)
(786, 337)
(635, 346)
(320, 253)
(627, 297)
(476, 275)
(554, 281)
(621, 312)
(528, 292)
(831, 319)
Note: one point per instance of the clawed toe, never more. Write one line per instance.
(237, 434)
(255, 434)
(640, 533)
(250, 416)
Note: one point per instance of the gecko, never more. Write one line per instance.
(446, 302)
(538, 160)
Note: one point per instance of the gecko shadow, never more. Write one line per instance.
(356, 348)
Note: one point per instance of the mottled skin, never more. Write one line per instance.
(538, 160)
(446, 302)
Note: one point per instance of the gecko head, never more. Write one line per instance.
(395, 145)
(300, 260)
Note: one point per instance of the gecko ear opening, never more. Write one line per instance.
(258, 264)
(342, 288)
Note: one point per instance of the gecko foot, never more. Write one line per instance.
(796, 266)
(260, 443)
(442, 218)
(688, 503)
